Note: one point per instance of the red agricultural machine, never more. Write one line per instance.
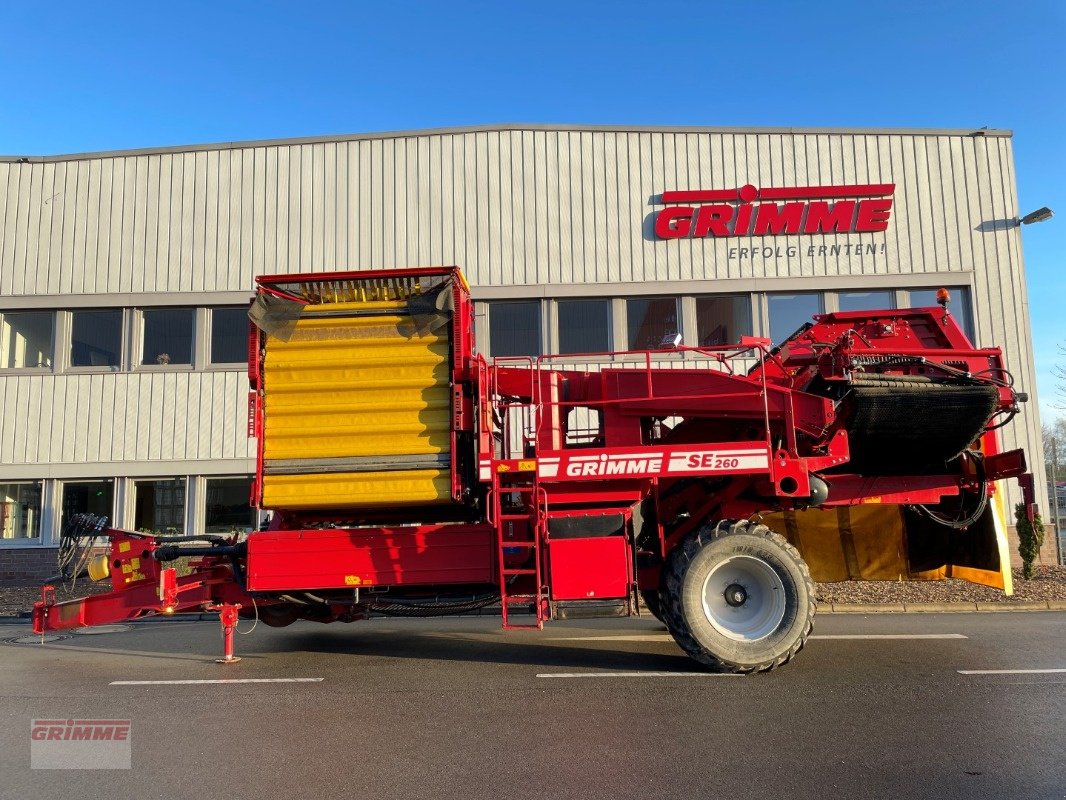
(409, 476)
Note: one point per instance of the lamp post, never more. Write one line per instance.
(1040, 215)
(1055, 487)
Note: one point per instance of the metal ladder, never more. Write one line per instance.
(534, 513)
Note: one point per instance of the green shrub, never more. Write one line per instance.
(1030, 539)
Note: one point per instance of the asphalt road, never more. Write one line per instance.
(457, 708)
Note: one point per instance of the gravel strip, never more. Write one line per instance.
(1049, 584)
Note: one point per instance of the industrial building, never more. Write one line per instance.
(125, 276)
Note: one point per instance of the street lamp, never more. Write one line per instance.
(1040, 215)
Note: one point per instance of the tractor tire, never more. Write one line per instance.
(737, 597)
(653, 603)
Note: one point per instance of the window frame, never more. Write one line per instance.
(678, 306)
(52, 368)
(556, 331)
(137, 350)
(254, 513)
(208, 338)
(43, 528)
(123, 341)
(61, 488)
(970, 329)
(542, 320)
(821, 294)
(745, 298)
(131, 510)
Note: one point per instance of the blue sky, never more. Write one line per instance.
(88, 76)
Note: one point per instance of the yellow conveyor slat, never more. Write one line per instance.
(360, 386)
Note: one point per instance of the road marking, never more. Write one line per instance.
(639, 675)
(1009, 671)
(889, 636)
(648, 637)
(216, 680)
(665, 637)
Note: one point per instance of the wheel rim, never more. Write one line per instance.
(744, 598)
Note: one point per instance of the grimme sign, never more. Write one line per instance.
(750, 211)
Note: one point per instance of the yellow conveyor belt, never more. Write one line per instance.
(356, 388)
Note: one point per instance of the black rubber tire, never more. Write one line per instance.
(653, 603)
(681, 597)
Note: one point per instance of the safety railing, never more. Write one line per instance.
(520, 420)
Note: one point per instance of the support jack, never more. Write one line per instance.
(227, 615)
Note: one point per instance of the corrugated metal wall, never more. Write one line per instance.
(511, 207)
(78, 419)
(527, 207)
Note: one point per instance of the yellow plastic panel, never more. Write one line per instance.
(358, 387)
(357, 489)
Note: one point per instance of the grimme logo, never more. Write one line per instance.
(80, 743)
(750, 211)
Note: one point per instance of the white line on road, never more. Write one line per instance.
(638, 675)
(216, 680)
(1009, 671)
(665, 637)
(888, 636)
(647, 637)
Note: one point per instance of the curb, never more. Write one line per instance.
(941, 608)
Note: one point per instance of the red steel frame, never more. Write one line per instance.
(762, 439)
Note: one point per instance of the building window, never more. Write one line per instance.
(159, 506)
(167, 336)
(723, 319)
(96, 338)
(91, 497)
(959, 306)
(789, 311)
(228, 507)
(865, 301)
(584, 326)
(514, 328)
(26, 339)
(20, 510)
(229, 336)
(653, 322)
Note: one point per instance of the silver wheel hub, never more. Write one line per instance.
(744, 598)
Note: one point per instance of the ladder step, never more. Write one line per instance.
(514, 517)
(519, 572)
(516, 543)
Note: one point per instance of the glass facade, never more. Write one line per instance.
(26, 339)
(866, 301)
(789, 311)
(20, 510)
(229, 336)
(722, 319)
(227, 506)
(159, 505)
(96, 338)
(514, 329)
(167, 336)
(959, 306)
(584, 326)
(652, 322)
(91, 497)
